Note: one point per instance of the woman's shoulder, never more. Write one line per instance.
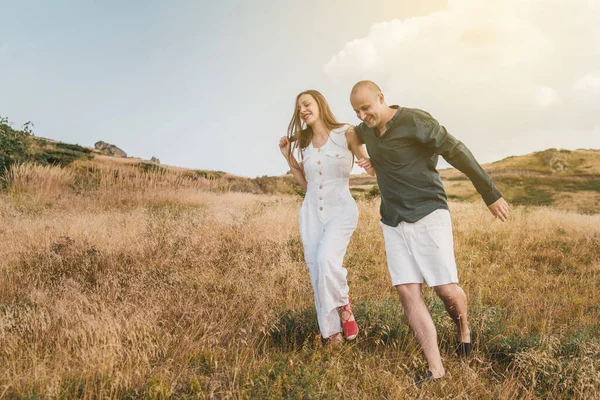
(341, 129)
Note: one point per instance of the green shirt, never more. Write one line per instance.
(405, 159)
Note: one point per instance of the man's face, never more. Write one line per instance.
(368, 106)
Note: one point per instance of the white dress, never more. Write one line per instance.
(328, 217)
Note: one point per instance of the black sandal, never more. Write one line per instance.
(465, 349)
(426, 377)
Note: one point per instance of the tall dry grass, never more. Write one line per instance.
(155, 291)
(34, 187)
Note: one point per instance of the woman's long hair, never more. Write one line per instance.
(301, 134)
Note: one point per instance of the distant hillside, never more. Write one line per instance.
(91, 165)
(561, 178)
(564, 179)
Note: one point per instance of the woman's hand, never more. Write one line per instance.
(284, 146)
(365, 163)
(358, 149)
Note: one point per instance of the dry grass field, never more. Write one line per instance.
(150, 285)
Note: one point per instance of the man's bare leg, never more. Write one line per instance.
(455, 301)
(422, 325)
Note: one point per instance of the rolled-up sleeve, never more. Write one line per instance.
(359, 129)
(435, 137)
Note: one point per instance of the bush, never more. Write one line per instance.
(373, 192)
(60, 155)
(73, 147)
(212, 175)
(278, 184)
(152, 168)
(14, 144)
(19, 146)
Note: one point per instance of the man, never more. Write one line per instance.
(403, 145)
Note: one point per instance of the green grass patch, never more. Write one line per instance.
(454, 197)
(152, 168)
(208, 174)
(72, 147)
(294, 328)
(56, 153)
(285, 380)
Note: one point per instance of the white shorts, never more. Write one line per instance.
(421, 251)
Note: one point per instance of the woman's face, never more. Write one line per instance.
(308, 110)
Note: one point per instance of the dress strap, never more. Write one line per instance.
(341, 129)
(338, 135)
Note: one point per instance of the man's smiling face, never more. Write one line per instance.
(368, 106)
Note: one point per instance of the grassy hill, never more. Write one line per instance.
(568, 180)
(564, 179)
(92, 168)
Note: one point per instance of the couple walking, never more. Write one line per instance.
(403, 145)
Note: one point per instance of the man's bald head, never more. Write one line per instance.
(365, 85)
(369, 103)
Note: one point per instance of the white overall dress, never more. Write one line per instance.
(328, 218)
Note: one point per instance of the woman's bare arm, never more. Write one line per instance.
(358, 149)
(297, 171)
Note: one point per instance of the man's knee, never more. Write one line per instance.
(449, 292)
(409, 292)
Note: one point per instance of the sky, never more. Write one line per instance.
(211, 85)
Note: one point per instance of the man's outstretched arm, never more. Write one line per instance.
(435, 137)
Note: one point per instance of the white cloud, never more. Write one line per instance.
(546, 96)
(589, 83)
(489, 69)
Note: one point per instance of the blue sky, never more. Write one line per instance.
(211, 85)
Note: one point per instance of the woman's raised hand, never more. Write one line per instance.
(284, 146)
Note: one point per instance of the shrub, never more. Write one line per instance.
(14, 144)
(57, 156)
(373, 192)
(151, 167)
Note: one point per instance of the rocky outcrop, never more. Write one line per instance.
(558, 160)
(155, 160)
(110, 149)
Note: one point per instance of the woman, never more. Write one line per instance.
(329, 215)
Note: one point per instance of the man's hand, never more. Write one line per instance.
(499, 209)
